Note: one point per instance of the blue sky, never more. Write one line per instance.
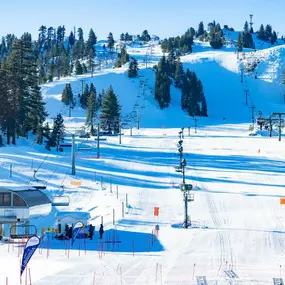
(134, 16)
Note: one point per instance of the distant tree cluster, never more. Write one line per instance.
(266, 34)
(245, 39)
(57, 54)
(126, 37)
(144, 37)
(180, 45)
(162, 83)
(192, 95)
(215, 35)
(122, 58)
(21, 105)
(55, 135)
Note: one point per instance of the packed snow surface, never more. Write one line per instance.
(237, 222)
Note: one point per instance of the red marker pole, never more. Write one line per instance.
(30, 278)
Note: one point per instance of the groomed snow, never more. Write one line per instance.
(236, 216)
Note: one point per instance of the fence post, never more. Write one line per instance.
(11, 170)
(113, 216)
(126, 199)
(123, 212)
(111, 186)
(117, 190)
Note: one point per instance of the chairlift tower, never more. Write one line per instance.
(250, 22)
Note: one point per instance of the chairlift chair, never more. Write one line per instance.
(84, 148)
(60, 201)
(37, 183)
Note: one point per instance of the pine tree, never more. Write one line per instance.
(239, 43)
(6, 111)
(273, 37)
(179, 74)
(247, 40)
(84, 68)
(110, 112)
(145, 37)
(91, 108)
(84, 97)
(133, 68)
(27, 108)
(245, 28)
(71, 39)
(122, 37)
(67, 95)
(57, 133)
(261, 33)
(91, 42)
(110, 42)
(78, 68)
(162, 83)
(268, 32)
(201, 30)
(91, 61)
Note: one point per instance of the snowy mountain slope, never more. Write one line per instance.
(232, 36)
(236, 214)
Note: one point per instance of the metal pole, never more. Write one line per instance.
(120, 135)
(186, 209)
(270, 124)
(279, 127)
(98, 142)
(73, 155)
(113, 216)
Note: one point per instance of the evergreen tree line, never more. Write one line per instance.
(180, 45)
(192, 95)
(105, 102)
(245, 39)
(21, 105)
(58, 55)
(267, 34)
(126, 37)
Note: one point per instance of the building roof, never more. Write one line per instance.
(32, 197)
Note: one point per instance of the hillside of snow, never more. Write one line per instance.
(237, 222)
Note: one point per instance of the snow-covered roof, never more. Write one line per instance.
(32, 197)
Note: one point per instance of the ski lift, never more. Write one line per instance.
(65, 145)
(85, 147)
(23, 231)
(60, 201)
(37, 183)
